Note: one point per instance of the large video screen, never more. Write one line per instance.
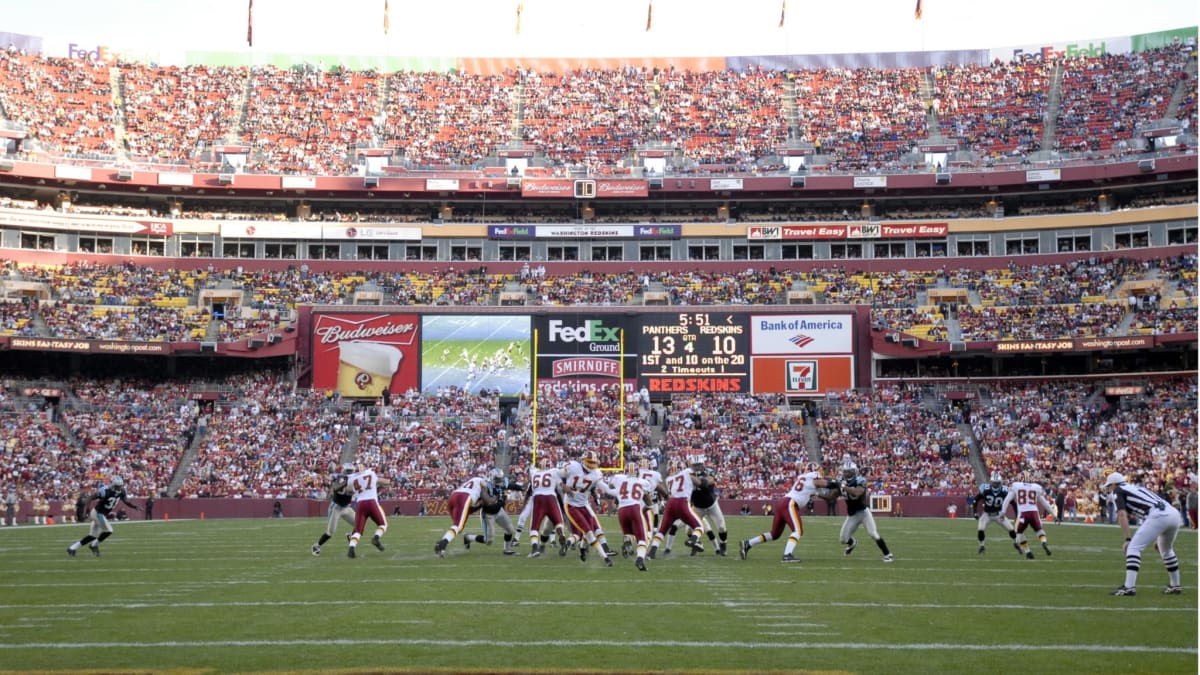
(476, 352)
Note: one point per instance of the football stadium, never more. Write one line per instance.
(542, 337)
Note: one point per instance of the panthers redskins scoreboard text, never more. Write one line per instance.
(694, 352)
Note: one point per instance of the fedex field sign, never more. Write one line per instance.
(802, 334)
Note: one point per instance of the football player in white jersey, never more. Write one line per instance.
(644, 469)
(787, 512)
(582, 478)
(1031, 503)
(544, 484)
(468, 498)
(679, 486)
(366, 494)
(633, 495)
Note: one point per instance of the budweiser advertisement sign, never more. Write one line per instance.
(363, 355)
(547, 187)
(621, 188)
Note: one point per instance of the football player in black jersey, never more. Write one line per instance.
(106, 500)
(1159, 526)
(991, 496)
(341, 497)
(494, 514)
(706, 505)
(858, 509)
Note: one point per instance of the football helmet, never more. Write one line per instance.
(118, 482)
(995, 479)
(590, 460)
(812, 467)
(696, 460)
(347, 469)
(849, 468)
(496, 475)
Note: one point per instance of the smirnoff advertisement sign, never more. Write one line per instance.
(362, 355)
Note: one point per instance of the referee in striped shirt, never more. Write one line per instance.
(1159, 524)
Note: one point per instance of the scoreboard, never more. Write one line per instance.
(681, 352)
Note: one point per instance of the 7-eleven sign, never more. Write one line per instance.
(802, 376)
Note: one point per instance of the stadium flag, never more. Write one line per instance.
(917, 13)
(649, 14)
(520, 11)
(386, 23)
(782, 12)
(250, 24)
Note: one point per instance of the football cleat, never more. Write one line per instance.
(1029, 555)
(744, 548)
(721, 550)
(607, 551)
(1017, 546)
(653, 554)
(467, 542)
(71, 552)
(982, 548)
(350, 552)
(563, 545)
(888, 558)
(1124, 590)
(440, 548)
(626, 549)
(583, 549)
(789, 558)
(1046, 549)
(535, 552)
(509, 551)
(666, 552)
(608, 561)
(316, 550)
(640, 563)
(376, 541)
(1173, 590)
(95, 550)
(693, 543)
(851, 546)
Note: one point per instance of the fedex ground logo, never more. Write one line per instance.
(802, 376)
(597, 336)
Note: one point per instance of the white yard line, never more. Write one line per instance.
(651, 644)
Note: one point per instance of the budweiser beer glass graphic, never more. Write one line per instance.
(365, 369)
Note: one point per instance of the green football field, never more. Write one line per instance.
(247, 595)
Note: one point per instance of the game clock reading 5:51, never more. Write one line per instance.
(694, 351)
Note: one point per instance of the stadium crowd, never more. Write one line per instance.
(854, 119)
(262, 437)
(1087, 298)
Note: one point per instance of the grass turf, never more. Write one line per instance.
(247, 595)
